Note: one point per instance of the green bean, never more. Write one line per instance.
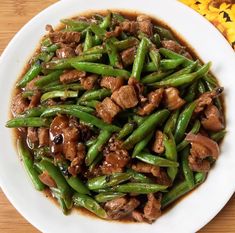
(114, 58)
(156, 160)
(106, 23)
(126, 130)
(140, 188)
(104, 197)
(41, 152)
(156, 40)
(27, 122)
(145, 128)
(95, 95)
(184, 79)
(119, 18)
(169, 64)
(29, 166)
(187, 70)
(99, 32)
(89, 203)
(171, 122)
(171, 154)
(191, 92)
(60, 181)
(43, 56)
(51, 48)
(61, 87)
(150, 67)
(90, 103)
(188, 174)
(139, 59)
(125, 44)
(99, 49)
(45, 80)
(98, 159)
(34, 70)
(139, 147)
(155, 57)
(155, 76)
(96, 148)
(101, 69)
(57, 94)
(66, 63)
(86, 117)
(201, 87)
(27, 94)
(138, 119)
(46, 42)
(183, 121)
(90, 142)
(195, 129)
(33, 112)
(76, 184)
(139, 177)
(217, 136)
(180, 189)
(88, 41)
(106, 181)
(56, 193)
(78, 24)
(164, 33)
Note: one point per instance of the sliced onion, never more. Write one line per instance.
(211, 145)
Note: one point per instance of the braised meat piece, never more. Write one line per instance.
(19, 104)
(128, 56)
(129, 26)
(137, 216)
(112, 83)
(152, 209)
(154, 99)
(115, 157)
(47, 180)
(125, 97)
(71, 135)
(72, 76)
(66, 52)
(116, 33)
(120, 207)
(107, 110)
(213, 120)
(30, 86)
(206, 99)
(202, 147)
(172, 99)
(32, 136)
(79, 49)
(158, 146)
(35, 99)
(173, 45)
(43, 136)
(89, 81)
(146, 168)
(145, 25)
(65, 37)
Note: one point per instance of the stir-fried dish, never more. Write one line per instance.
(114, 115)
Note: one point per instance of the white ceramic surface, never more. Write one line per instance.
(187, 216)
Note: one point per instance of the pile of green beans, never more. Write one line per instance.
(44, 93)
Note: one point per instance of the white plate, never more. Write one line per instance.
(196, 209)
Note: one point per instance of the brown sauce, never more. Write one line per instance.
(131, 16)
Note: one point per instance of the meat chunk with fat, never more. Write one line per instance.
(115, 33)
(152, 209)
(172, 99)
(89, 81)
(65, 52)
(112, 83)
(158, 146)
(125, 97)
(120, 207)
(72, 76)
(128, 56)
(19, 104)
(154, 99)
(213, 119)
(173, 46)
(47, 180)
(129, 26)
(43, 136)
(107, 110)
(146, 168)
(145, 25)
(30, 86)
(64, 37)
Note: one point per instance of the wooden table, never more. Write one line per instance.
(13, 15)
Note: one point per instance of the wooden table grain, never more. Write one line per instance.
(13, 15)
